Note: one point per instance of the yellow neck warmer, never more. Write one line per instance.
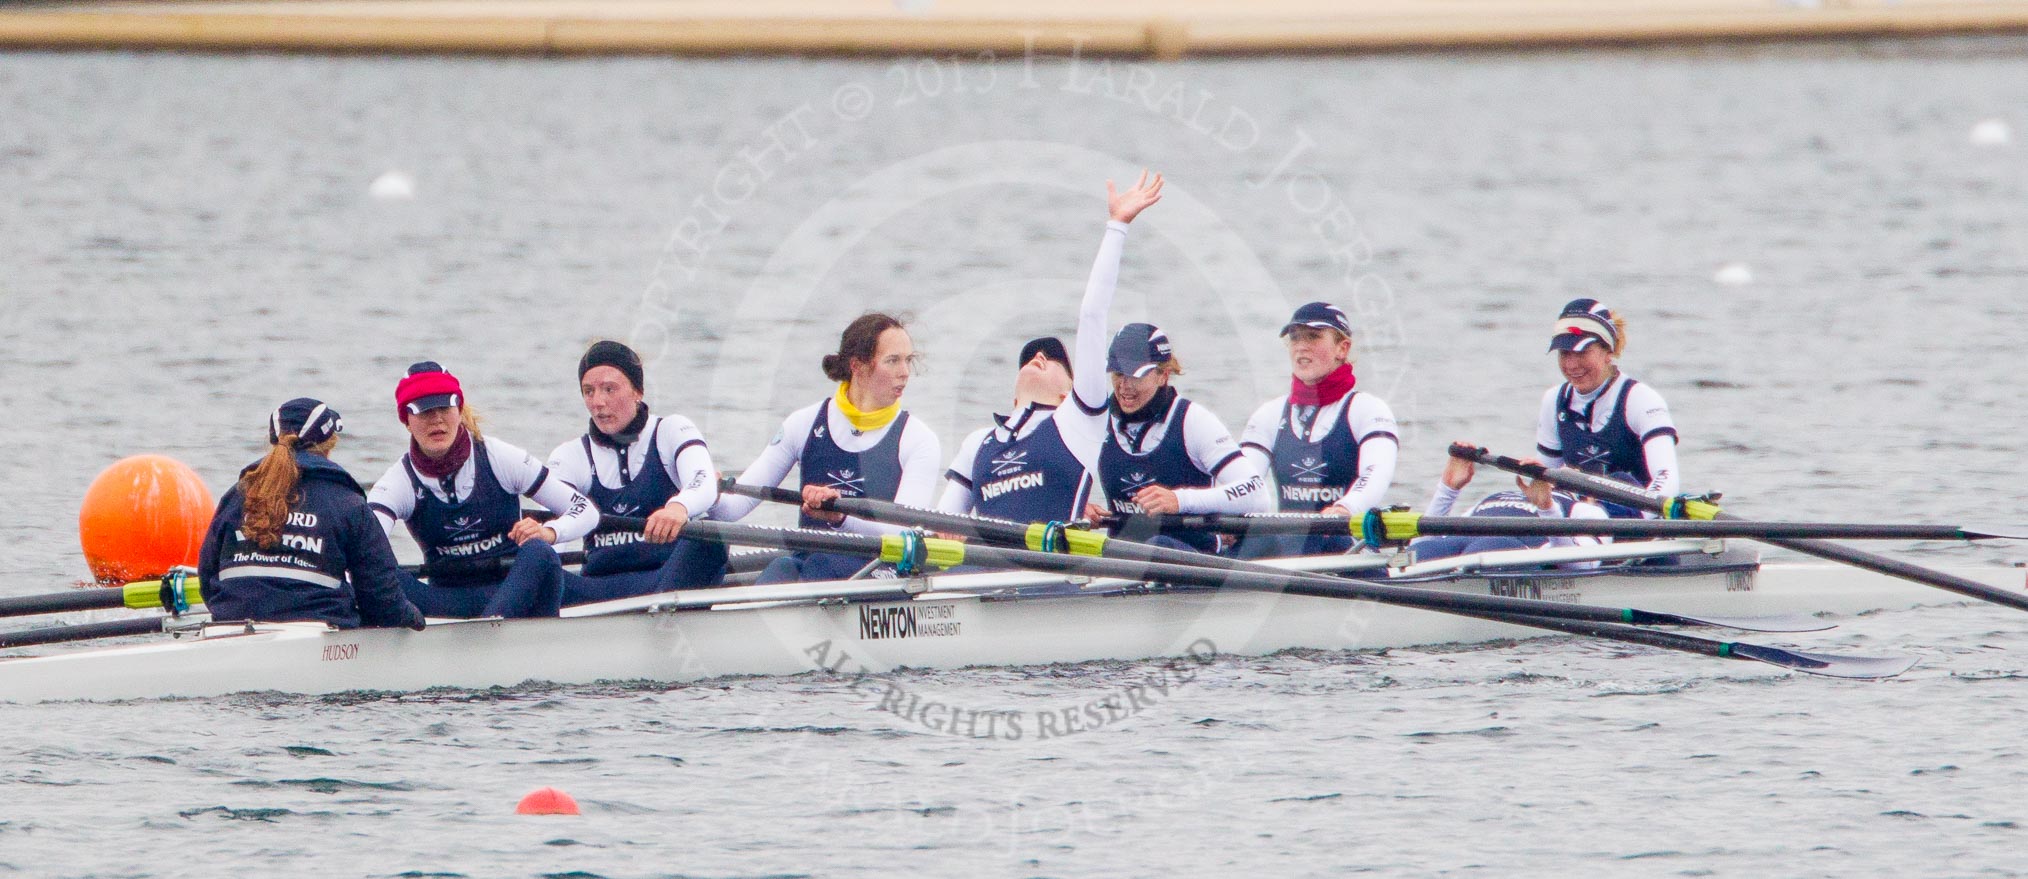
(865, 421)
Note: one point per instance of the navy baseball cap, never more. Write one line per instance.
(310, 420)
(1321, 315)
(1137, 350)
(1583, 322)
(1048, 346)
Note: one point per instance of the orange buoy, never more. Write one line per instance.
(141, 517)
(546, 801)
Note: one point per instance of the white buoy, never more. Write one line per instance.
(1992, 132)
(392, 186)
(1733, 274)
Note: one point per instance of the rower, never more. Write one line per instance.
(1600, 420)
(1329, 448)
(858, 442)
(1021, 469)
(460, 494)
(633, 463)
(1158, 453)
(293, 540)
(1535, 498)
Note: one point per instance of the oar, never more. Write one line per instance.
(138, 594)
(912, 551)
(1621, 493)
(82, 632)
(1380, 526)
(1055, 537)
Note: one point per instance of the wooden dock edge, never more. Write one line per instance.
(1160, 38)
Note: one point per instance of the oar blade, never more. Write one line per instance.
(1792, 622)
(1994, 532)
(1863, 668)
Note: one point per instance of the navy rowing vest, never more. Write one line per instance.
(1612, 448)
(639, 494)
(1168, 464)
(1028, 479)
(874, 473)
(1310, 476)
(473, 528)
(1514, 503)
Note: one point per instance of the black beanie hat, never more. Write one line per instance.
(616, 355)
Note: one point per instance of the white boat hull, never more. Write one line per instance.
(933, 630)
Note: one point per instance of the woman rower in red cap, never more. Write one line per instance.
(460, 494)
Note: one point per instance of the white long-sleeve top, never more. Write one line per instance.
(393, 497)
(1373, 431)
(921, 463)
(1239, 484)
(679, 445)
(1647, 414)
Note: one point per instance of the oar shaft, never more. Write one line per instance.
(1088, 545)
(1639, 498)
(1197, 570)
(982, 528)
(1270, 524)
(60, 602)
(82, 632)
(1725, 526)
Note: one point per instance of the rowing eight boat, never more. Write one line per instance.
(946, 621)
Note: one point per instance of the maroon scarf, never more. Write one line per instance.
(439, 468)
(1330, 389)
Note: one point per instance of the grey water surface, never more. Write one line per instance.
(190, 240)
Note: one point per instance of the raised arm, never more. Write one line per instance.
(1090, 387)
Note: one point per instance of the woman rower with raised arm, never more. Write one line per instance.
(632, 463)
(858, 442)
(1599, 420)
(1329, 448)
(1022, 468)
(1158, 453)
(293, 541)
(460, 493)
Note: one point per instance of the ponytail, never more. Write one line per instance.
(470, 418)
(1620, 327)
(270, 489)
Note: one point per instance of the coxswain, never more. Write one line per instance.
(1158, 453)
(857, 442)
(636, 464)
(1021, 468)
(460, 494)
(1600, 420)
(293, 540)
(1328, 447)
(1533, 498)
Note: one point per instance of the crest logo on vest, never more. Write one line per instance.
(1310, 469)
(847, 481)
(1009, 461)
(1591, 456)
(465, 527)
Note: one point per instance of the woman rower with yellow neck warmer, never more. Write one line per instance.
(858, 442)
